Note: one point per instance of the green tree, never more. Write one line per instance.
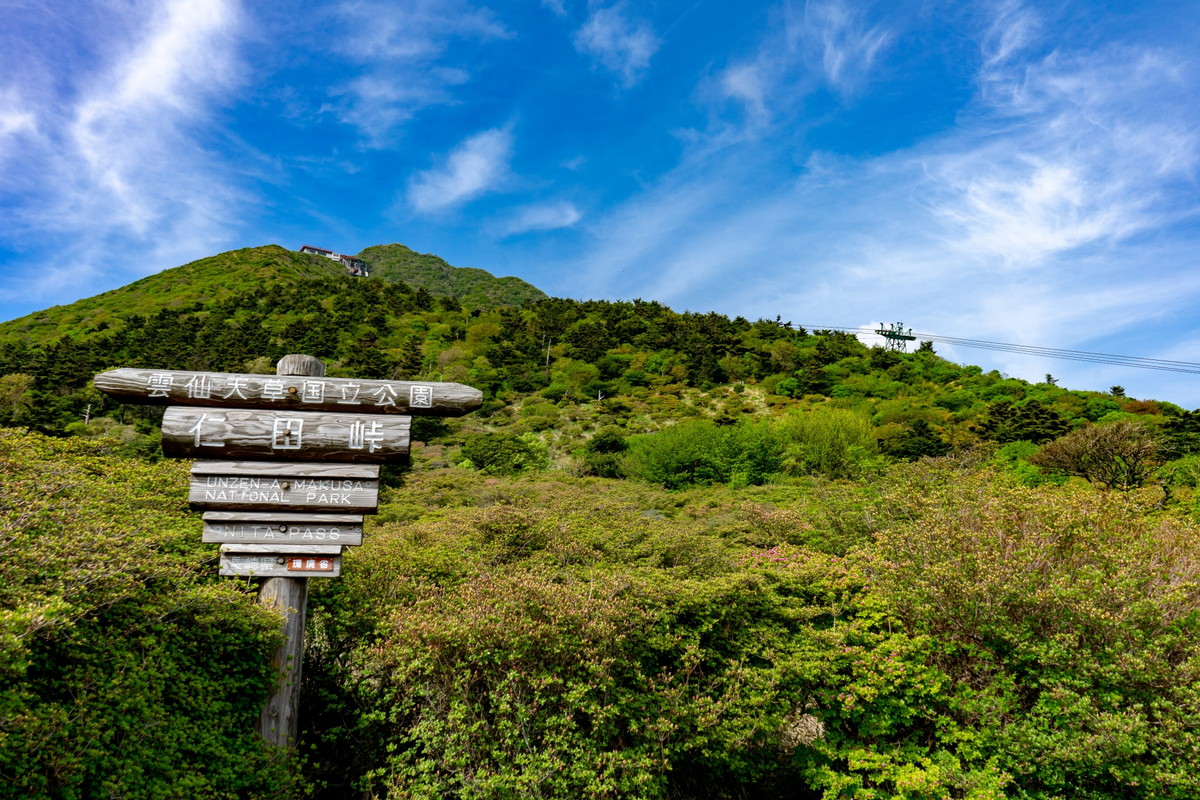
(1005, 421)
(1115, 455)
(1181, 433)
(604, 453)
(701, 453)
(919, 441)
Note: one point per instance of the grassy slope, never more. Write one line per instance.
(207, 279)
(472, 287)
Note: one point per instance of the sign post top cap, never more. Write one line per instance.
(300, 364)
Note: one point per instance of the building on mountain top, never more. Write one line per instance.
(353, 264)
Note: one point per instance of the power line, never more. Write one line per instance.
(1139, 362)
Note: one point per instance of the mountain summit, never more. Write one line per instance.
(234, 272)
(467, 285)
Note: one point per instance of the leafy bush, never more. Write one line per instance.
(1097, 407)
(128, 669)
(1014, 457)
(832, 442)
(604, 453)
(505, 453)
(1066, 625)
(566, 642)
(701, 453)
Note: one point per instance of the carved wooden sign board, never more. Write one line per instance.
(283, 486)
(278, 528)
(288, 465)
(288, 392)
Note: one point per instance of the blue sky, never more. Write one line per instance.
(1008, 171)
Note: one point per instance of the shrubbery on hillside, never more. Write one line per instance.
(128, 669)
(544, 636)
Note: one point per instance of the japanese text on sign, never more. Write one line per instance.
(297, 564)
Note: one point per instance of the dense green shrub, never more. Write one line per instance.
(128, 669)
(832, 442)
(604, 453)
(504, 453)
(1013, 459)
(563, 644)
(1067, 625)
(961, 637)
(701, 453)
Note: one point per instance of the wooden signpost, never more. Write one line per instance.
(289, 464)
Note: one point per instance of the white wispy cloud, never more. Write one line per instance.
(477, 166)
(1011, 27)
(620, 42)
(823, 44)
(17, 122)
(412, 29)
(379, 103)
(160, 87)
(116, 163)
(399, 48)
(748, 85)
(836, 36)
(1095, 149)
(541, 217)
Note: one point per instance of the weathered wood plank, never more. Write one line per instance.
(282, 493)
(272, 565)
(282, 549)
(289, 392)
(283, 517)
(241, 433)
(275, 529)
(278, 722)
(293, 469)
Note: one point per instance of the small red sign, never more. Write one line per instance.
(319, 564)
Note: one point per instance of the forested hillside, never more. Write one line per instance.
(557, 367)
(674, 555)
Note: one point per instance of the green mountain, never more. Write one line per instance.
(239, 271)
(471, 287)
(208, 279)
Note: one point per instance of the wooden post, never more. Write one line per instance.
(279, 721)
